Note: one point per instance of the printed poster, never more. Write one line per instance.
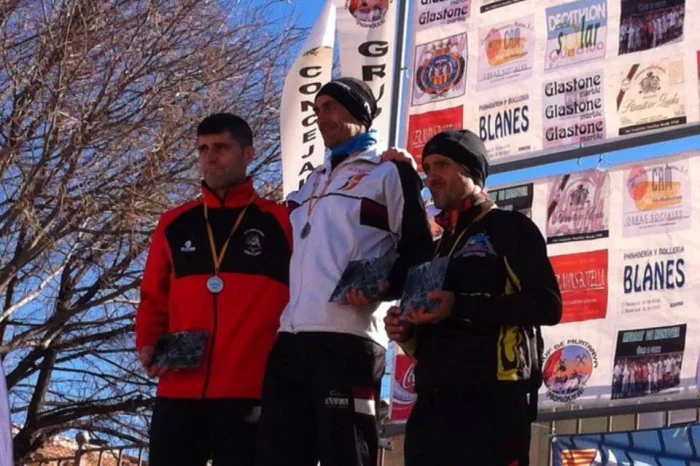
(655, 280)
(583, 282)
(648, 361)
(577, 207)
(490, 5)
(576, 33)
(506, 52)
(574, 110)
(505, 127)
(440, 68)
(422, 127)
(657, 198)
(568, 366)
(517, 198)
(430, 14)
(403, 382)
(647, 24)
(651, 96)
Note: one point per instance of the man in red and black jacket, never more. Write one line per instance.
(218, 264)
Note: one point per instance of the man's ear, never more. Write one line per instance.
(248, 155)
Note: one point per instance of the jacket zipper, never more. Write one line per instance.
(211, 346)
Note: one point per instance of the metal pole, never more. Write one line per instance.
(397, 85)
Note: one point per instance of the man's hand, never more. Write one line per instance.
(445, 299)
(357, 297)
(394, 154)
(397, 330)
(146, 359)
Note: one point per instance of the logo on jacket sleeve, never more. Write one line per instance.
(478, 245)
(253, 242)
(352, 182)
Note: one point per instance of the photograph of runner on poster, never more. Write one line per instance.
(648, 361)
(577, 207)
(646, 24)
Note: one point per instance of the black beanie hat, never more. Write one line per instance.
(355, 96)
(465, 148)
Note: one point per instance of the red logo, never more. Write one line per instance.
(422, 127)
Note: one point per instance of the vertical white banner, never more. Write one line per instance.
(302, 145)
(367, 40)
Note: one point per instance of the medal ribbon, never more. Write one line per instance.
(218, 258)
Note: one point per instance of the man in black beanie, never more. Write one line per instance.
(323, 375)
(478, 355)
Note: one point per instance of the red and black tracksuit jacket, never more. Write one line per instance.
(243, 319)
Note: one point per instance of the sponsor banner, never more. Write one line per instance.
(651, 96)
(577, 207)
(573, 110)
(440, 70)
(403, 394)
(437, 13)
(506, 52)
(505, 126)
(657, 198)
(576, 33)
(648, 361)
(423, 126)
(583, 282)
(490, 5)
(672, 446)
(366, 38)
(302, 145)
(654, 279)
(647, 24)
(517, 198)
(568, 366)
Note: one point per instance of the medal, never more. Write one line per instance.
(215, 284)
(306, 230)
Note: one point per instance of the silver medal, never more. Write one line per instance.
(215, 284)
(306, 230)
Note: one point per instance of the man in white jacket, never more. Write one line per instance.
(324, 372)
(5, 422)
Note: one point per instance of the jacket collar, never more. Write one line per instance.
(471, 208)
(236, 196)
(370, 155)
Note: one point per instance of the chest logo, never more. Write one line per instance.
(478, 245)
(253, 242)
(352, 182)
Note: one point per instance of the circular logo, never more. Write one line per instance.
(637, 183)
(368, 13)
(439, 73)
(566, 371)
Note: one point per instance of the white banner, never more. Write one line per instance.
(367, 40)
(542, 76)
(624, 247)
(302, 144)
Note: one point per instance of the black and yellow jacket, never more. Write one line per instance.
(504, 288)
